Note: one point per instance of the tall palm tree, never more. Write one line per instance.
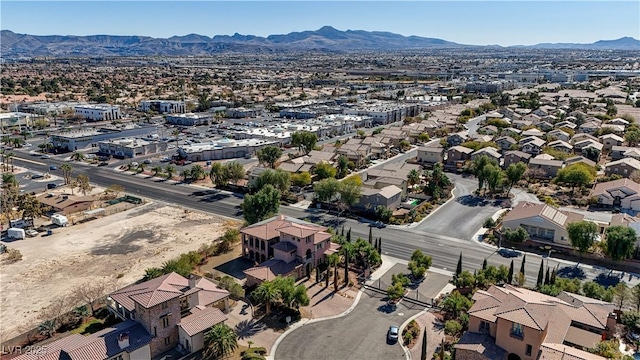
(9, 156)
(198, 172)
(220, 341)
(348, 251)
(77, 156)
(413, 177)
(175, 133)
(333, 261)
(216, 173)
(156, 169)
(185, 174)
(267, 293)
(170, 170)
(66, 172)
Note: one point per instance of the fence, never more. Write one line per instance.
(106, 211)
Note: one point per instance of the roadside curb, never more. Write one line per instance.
(303, 322)
(407, 352)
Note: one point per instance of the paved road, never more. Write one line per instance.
(399, 242)
(359, 335)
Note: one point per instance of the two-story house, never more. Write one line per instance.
(430, 155)
(515, 323)
(284, 246)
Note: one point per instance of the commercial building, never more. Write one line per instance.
(162, 106)
(190, 119)
(222, 149)
(131, 147)
(76, 140)
(98, 112)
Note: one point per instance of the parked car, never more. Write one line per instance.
(147, 161)
(37, 176)
(53, 167)
(392, 334)
(165, 159)
(32, 233)
(379, 225)
(509, 253)
(51, 186)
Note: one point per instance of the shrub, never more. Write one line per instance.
(13, 255)
(452, 328)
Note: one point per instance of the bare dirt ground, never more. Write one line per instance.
(115, 249)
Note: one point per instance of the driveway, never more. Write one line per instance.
(463, 216)
(359, 335)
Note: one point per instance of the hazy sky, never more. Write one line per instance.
(467, 22)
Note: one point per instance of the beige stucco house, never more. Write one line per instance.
(543, 222)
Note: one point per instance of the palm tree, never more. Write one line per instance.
(156, 170)
(268, 293)
(170, 170)
(66, 172)
(176, 133)
(220, 341)
(198, 172)
(47, 328)
(77, 156)
(9, 156)
(413, 177)
(348, 251)
(216, 173)
(333, 261)
(185, 174)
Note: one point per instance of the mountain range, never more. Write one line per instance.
(326, 38)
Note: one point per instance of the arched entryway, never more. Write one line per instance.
(513, 356)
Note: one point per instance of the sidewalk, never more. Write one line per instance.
(435, 334)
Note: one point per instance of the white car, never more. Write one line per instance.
(31, 233)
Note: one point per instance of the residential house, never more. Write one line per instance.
(561, 146)
(458, 155)
(621, 152)
(622, 194)
(519, 124)
(488, 130)
(430, 155)
(579, 159)
(506, 142)
(545, 125)
(533, 118)
(515, 156)
(128, 340)
(566, 124)
(533, 132)
(516, 323)
(254, 174)
(581, 146)
(532, 145)
(68, 204)
(163, 306)
(388, 196)
(618, 121)
(558, 135)
(610, 140)
(510, 131)
(542, 222)
(457, 138)
(581, 137)
(284, 246)
(481, 138)
(623, 167)
(615, 128)
(545, 168)
(382, 182)
(589, 127)
(492, 153)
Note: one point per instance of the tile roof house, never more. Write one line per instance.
(610, 140)
(125, 340)
(559, 134)
(566, 124)
(579, 159)
(457, 138)
(582, 136)
(623, 167)
(487, 151)
(284, 246)
(505, 142)
(622, 193)
(543, 222)
(457, 155)
(430, 155)
(159, 306)
(515, 156)
(388, 196)
(532, 145)
(561, 146)
(621, 152)
(528, 325)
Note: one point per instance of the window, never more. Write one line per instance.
(165, 321)
(155, 331)
(117, 357)
(529, 349)
(484, 327)
(517, 330)
(165, 305)
(167, 340)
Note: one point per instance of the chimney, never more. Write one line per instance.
(612, 321)
(123, 340)
(192, 281)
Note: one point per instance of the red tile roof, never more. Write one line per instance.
(201, 320)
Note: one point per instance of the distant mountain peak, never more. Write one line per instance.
(327, 38)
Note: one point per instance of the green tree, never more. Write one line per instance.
(350, 191)
(419, 264)
(261, 205)
(456, 303)
(343, 166)
(267, 293)
(301, 179)
(156, 170)
(635, 296)
(395, 292)
(593, 290)
(608, 349)
(423, 353)
(333, 260)
(217, 174)
(83, 184)
(269, 155)
(621, 295)
(67, 169)
(348, 251)
(220, 341)
(198, 172)
(578, 174)
(459, 266)
(582, 234)
(540, 279)
(524, 259)
(452, 328)
(31, 207)
(423, 137)
(170, 170)
(279, 179)
(77, 156)
(324, 170)
(47, 328)
(305, 141)
(514, 173)
(632, 136)
(620, 242)
(234, 172)
(326, 190)
(413, 177)
(510, 276)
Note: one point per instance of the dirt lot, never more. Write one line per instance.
(115, 248)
